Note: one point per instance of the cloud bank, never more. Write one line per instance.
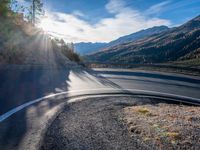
(126, 20)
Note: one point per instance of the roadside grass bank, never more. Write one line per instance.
(179, 70)
(189, 67)
(164, 126)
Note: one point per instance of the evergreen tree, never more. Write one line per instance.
(4, 7)
(35, 10)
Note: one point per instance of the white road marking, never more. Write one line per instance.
(106, 91)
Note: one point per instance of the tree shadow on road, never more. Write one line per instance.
(20, 85)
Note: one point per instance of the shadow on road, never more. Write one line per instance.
(20, 85)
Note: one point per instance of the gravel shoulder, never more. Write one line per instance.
(101, 123)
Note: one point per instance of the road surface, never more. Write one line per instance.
(25, 113)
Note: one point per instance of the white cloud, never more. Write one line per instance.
(157, 8)
(115, 6)
(125, 21)
(78, 13)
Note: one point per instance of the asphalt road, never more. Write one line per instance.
(154, 81)
(22, 117)
(19, 86)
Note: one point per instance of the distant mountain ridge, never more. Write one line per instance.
(179, 43)
(84, 48)
(88, 48)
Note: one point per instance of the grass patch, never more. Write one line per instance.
(173, 135)
(143, 110)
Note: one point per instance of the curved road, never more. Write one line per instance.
(25, 115)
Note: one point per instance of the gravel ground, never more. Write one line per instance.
(92, 124)
(115, 123)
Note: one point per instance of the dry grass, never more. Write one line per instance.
(164, 126)
(143, 110)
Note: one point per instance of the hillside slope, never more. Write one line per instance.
(21, 43)
(139, 35)
(179, 43)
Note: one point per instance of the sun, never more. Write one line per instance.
(46, 25)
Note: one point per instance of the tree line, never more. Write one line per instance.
(32, 11)
(67, 49)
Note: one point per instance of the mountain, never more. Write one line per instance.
(178, 43)
(88, 48)
(139, 35)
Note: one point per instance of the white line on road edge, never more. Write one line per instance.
(123, 91)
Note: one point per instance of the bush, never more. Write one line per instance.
(71, 55)
(4, 7)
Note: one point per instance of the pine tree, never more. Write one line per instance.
(4, 7)
(37, 6)
(35, 10)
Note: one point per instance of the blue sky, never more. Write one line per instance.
(177, 11)
(106, 20)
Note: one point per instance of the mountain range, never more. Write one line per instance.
(85, 48)
(179, 43)
(88, 48)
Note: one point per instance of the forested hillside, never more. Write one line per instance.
(21, 42)
(180, 43)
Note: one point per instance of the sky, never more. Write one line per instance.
(107, 20)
